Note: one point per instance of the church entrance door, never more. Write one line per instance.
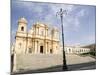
(41, 49)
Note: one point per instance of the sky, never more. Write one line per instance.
(79, 21)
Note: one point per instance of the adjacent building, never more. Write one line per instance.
(76, 50)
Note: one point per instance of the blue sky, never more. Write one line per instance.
(79, 22)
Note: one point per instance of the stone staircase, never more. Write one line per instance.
(40, 61)
(77, 59)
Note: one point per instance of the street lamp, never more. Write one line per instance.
(60, 13)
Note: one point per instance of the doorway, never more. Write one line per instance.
(41, 49)
(51, 51)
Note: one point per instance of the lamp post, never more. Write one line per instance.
(60, 13)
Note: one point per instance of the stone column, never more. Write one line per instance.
(35, 46)
(44, 47)
(38, 31)
(54, 51)
(47, 47)
(52, 46)
(46, 32)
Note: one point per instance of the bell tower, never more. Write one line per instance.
(21, 36)
(22, 25)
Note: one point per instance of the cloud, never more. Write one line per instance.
(29, 6)
(46, 13)
(52, 18)
(85, 40)
(82, 13)
(71, 23)
(13, 32)
(90, 38)
(39, 10)
(56, 7)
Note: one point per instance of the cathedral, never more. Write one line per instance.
(40, 39)
(39, 47)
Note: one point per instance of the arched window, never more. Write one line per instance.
(22, 28)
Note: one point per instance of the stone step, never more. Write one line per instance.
(40, 61)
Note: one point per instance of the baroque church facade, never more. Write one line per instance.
(40, 39)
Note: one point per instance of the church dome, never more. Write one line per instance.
(22, 20)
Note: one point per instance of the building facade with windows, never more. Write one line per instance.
(76, 50)
(40, 39)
